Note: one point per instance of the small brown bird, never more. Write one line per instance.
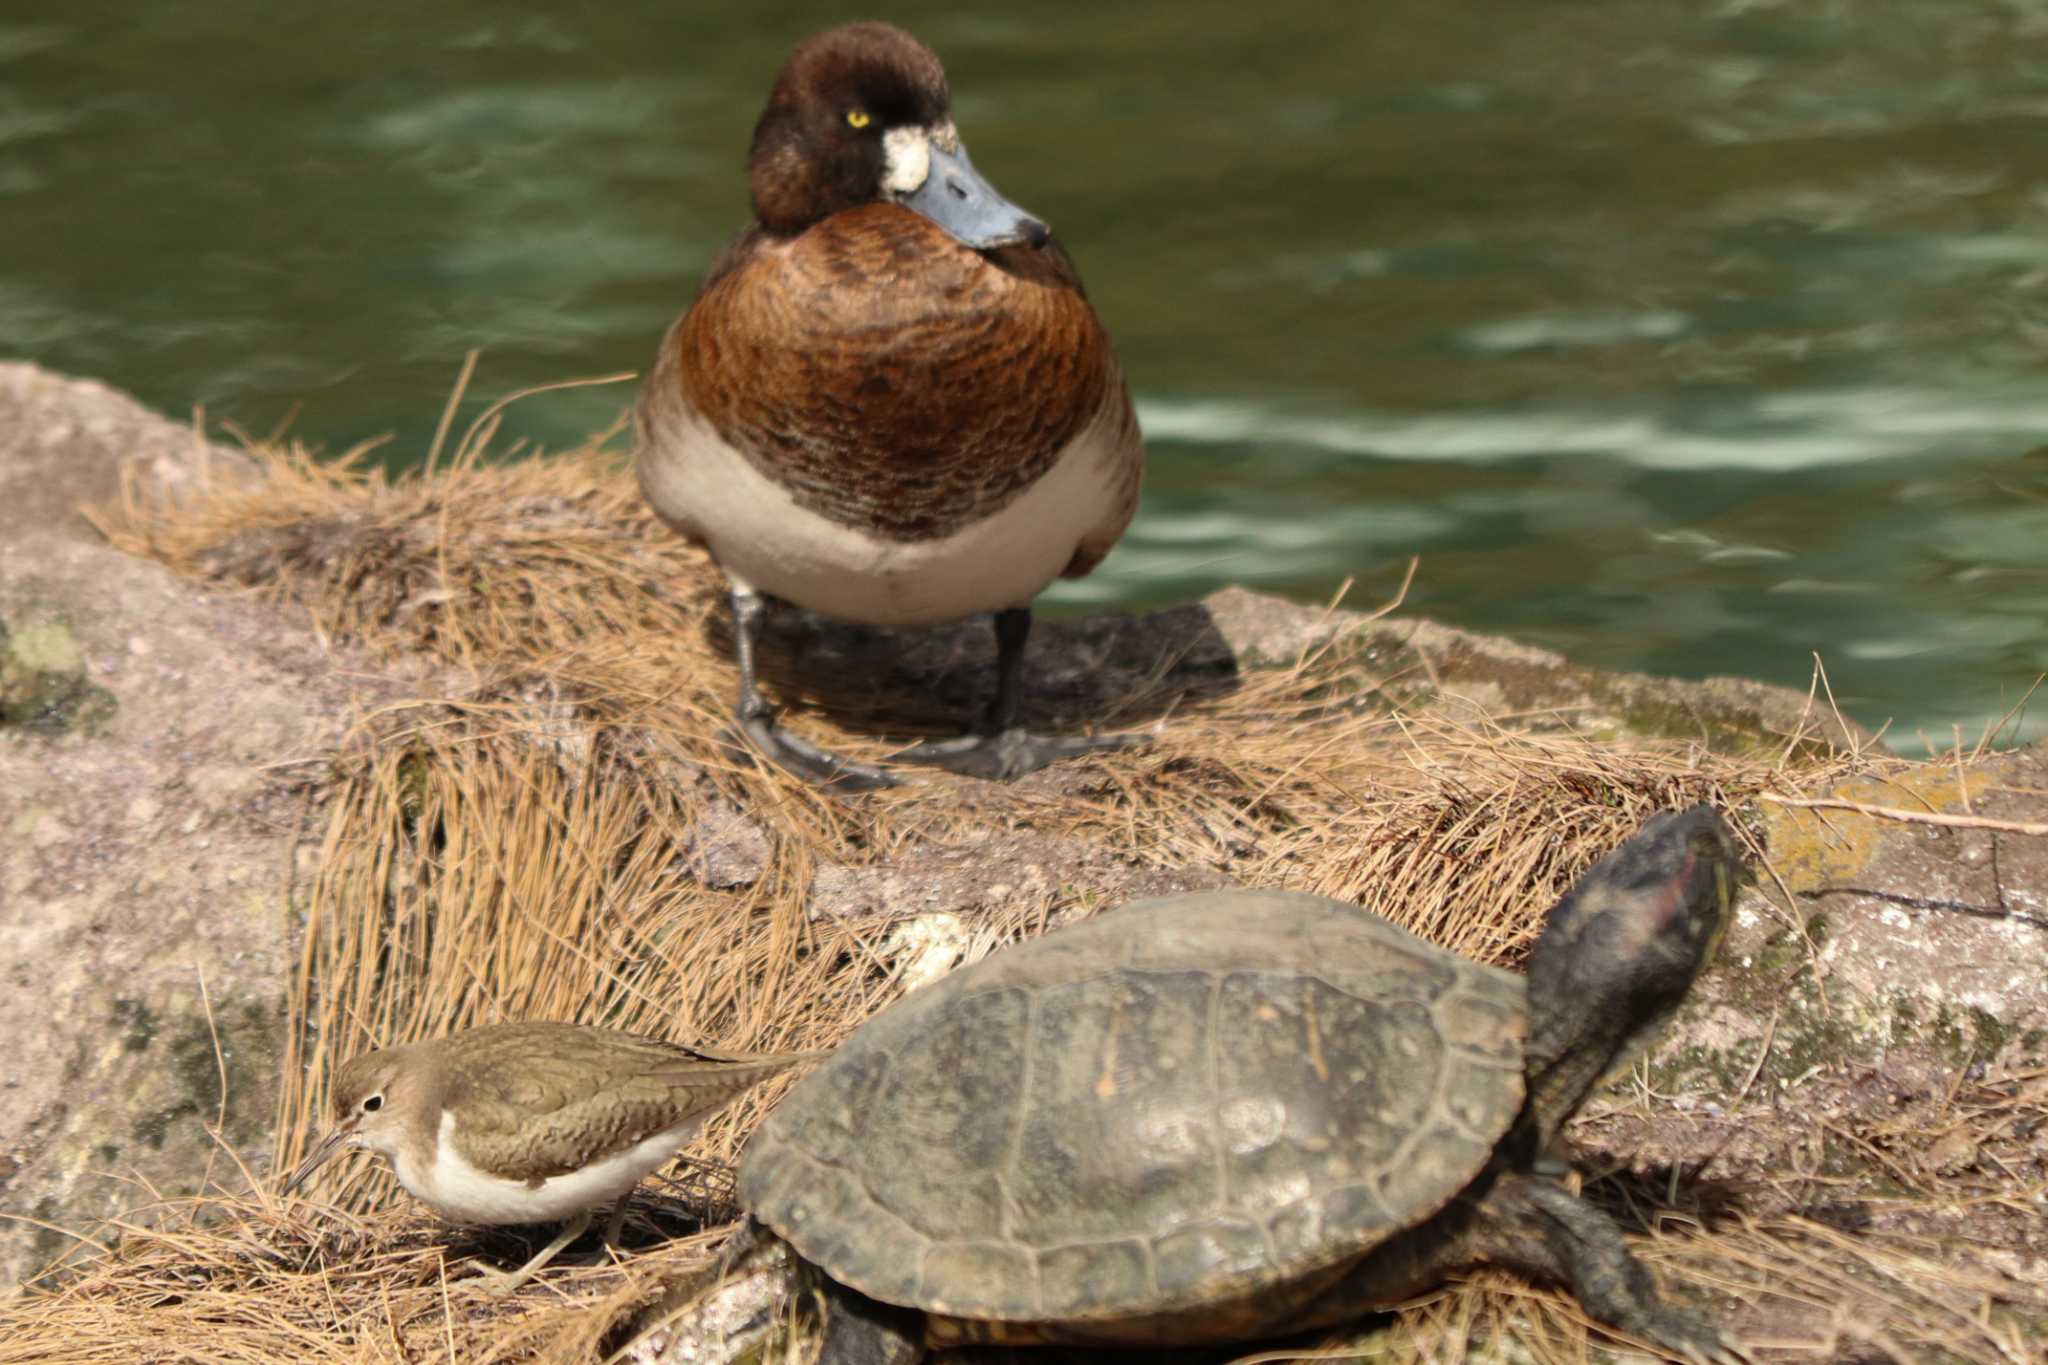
(531, 1122)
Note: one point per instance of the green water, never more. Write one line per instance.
(1695, 338)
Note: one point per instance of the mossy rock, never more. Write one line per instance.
(43, 685)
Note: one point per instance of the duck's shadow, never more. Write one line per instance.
(1097, 673)
(1098, 1355)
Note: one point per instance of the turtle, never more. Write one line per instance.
(1233, 1114)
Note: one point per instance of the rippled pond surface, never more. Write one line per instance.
(1696, 338)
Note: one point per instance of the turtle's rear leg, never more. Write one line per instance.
(861, 1331)
(1536, 1226)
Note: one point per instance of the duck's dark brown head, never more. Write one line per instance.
(861, 114)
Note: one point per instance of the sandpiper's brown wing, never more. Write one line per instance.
(540, 1100)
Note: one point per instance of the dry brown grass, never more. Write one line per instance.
(516, 844)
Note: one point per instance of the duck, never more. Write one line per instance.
(891, 402)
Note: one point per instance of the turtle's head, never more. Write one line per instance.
(1619, 952)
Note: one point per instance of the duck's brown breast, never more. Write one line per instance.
(890, 378)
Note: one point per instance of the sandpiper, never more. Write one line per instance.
(891, 402)
(530, 1122)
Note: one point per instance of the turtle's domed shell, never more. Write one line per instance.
(1177, 1103)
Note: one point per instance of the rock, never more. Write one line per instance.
(1880, 934)
(726, 849)
(950, 881)
(1067, 876)
(151, 785)
(1087, 664)
(1928, 935)
(146, 918)
(1492, 676)
(925, 948)
(1889, 973)
(1235, 630)
(707, 1321)
(1080, 667)
(68, 443)
(43, 685)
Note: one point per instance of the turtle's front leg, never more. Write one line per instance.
(1534, 1225)
(861, 1331)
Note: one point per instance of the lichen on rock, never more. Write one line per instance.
(43, 683)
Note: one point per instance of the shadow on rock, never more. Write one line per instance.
(1100, 672)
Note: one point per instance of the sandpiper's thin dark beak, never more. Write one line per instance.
(326, 1147)
(959, 199)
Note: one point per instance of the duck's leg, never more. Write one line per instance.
(756, 718)
(1000, 749)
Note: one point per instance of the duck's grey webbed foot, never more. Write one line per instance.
(1545, 1231)
(756, 718)
(1002, 749)
(861, 1331)
(819, 767)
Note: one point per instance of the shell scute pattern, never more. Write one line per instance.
(1297, 1231)
(1181, 1100)
(1221, 1249)
(829, 1131)
(1110, 1144)
(953, 1137)
(1096, 1274)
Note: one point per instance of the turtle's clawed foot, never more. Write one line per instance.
(1010, 753)
(1722, 1351)
(1684, 1338)
(800, 757)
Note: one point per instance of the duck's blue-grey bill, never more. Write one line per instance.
(956, 197)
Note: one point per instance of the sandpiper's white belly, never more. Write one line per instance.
(763, 540)
(465, 1194)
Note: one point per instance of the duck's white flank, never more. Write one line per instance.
(465, 1194)
(764, 541)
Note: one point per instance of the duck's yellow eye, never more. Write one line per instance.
(858, 118)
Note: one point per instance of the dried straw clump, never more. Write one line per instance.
(558, 831)
(244, 1279)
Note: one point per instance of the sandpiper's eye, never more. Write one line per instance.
(372, 1103)
(858, 118)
